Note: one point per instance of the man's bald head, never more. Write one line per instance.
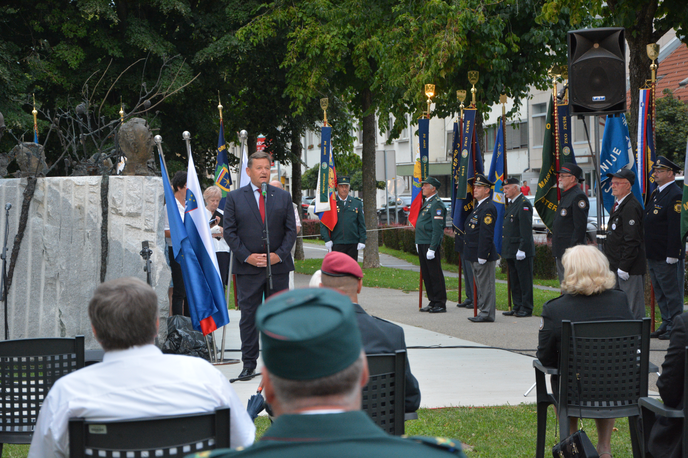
(276, 184)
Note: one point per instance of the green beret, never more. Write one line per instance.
(432, 182)
(344, 180)
(308, 334)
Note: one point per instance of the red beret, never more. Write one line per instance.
(338, 264)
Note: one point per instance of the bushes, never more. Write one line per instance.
(403, 238)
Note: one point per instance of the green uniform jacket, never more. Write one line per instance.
(350, 227)
(348, 434)
(517, 233)
(431, 222)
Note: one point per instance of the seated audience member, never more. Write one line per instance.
(135, 379)
(665, 436)
(588, 295)
(314, 371)
(341, 272)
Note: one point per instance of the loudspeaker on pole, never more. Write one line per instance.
(597, 71)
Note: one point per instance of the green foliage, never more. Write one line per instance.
(671, 127)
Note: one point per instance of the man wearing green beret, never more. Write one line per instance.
(314, 371)
(349, 234)
(429, 235)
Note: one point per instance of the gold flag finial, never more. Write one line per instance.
(429, 93)
(653, 54)
(34, 112)
(473, 77)
(324, 102)
(121, 110)
(219, 105)
(461, 97)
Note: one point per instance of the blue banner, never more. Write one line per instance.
(223, 179)
(473, 156)
(565, 145)
(456, 148)
(496, 175)
(616, 154)
(467, 148)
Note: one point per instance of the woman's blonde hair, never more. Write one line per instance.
(211, 191)
(586, 271)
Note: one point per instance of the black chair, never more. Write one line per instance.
(383, 396)
(612, 360)
(651, 408)
(28, 369)
(175, 436)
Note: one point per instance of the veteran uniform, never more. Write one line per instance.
(625, 246)
(429, 234)
(518, 249)
(309, 335)
(571, 220)
(480, 250)
(664, 249)
(350, 231)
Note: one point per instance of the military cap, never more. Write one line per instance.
(624, 173)
(664, 163)
(572, 169)
(338, 264)
(512, 180)
(344, 180)
(308, 333)
(432, 182)
(481, 180)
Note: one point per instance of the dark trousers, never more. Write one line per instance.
(521, 282)
(250, 292)
(179, 304)
(667, 281)
(467, 268)
(347, 248)
(433, 277)
(223, 263)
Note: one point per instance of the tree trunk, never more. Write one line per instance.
(371, 256)
(296, 184)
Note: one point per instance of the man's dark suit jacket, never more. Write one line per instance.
(243, 229)
(625, 245)
(380, 336)
(665, 437)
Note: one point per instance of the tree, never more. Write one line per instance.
(645, 21)
(671, 127)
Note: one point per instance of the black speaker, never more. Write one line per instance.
(597, 71)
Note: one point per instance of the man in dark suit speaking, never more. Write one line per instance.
(246, 211)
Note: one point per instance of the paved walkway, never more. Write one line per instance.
(457, 362)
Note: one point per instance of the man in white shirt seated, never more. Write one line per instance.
(135, 379)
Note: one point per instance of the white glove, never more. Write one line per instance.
(430, 255)
(360, 246)
(671, 260)
(520, 255)
(416, 248)
(622, 275)
(482, 261)
(328, 245)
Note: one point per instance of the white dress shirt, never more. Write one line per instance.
(135, 383)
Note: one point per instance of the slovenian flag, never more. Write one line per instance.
(193, 251)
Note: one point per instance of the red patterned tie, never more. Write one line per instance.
(616, 204)
(261, 205)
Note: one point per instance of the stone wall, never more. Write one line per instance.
(59, 262)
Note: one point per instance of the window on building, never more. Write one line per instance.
(404, 135)
(539, 118)
(579, 129)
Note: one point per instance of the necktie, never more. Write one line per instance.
(616, 204)
(261, 205)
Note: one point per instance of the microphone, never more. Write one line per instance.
(264, 189)
(8, 206)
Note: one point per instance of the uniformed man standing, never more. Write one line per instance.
(429, 235)
(518, 248)
(571, 221)
(624, 245)
(480, 249)
(349, 234)
(663, 246)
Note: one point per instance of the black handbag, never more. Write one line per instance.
(578, 444)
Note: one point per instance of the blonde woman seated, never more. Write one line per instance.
(588, 295)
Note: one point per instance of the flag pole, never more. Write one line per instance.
(461, 96)
(555, 120)
(652, 52)
(502, 100)
(473, 77)
(430, 93)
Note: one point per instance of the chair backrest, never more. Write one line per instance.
(612, 360)
(383, 396)
(175, 436)
(28, 369)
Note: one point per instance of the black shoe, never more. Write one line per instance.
(657, 333)
(425, 309)
(247, 374)
(467, 303)
(523, 314)
(509, 313)
(665, 336)
(480, 319)
(437, 309)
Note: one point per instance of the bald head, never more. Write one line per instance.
(276, 184)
